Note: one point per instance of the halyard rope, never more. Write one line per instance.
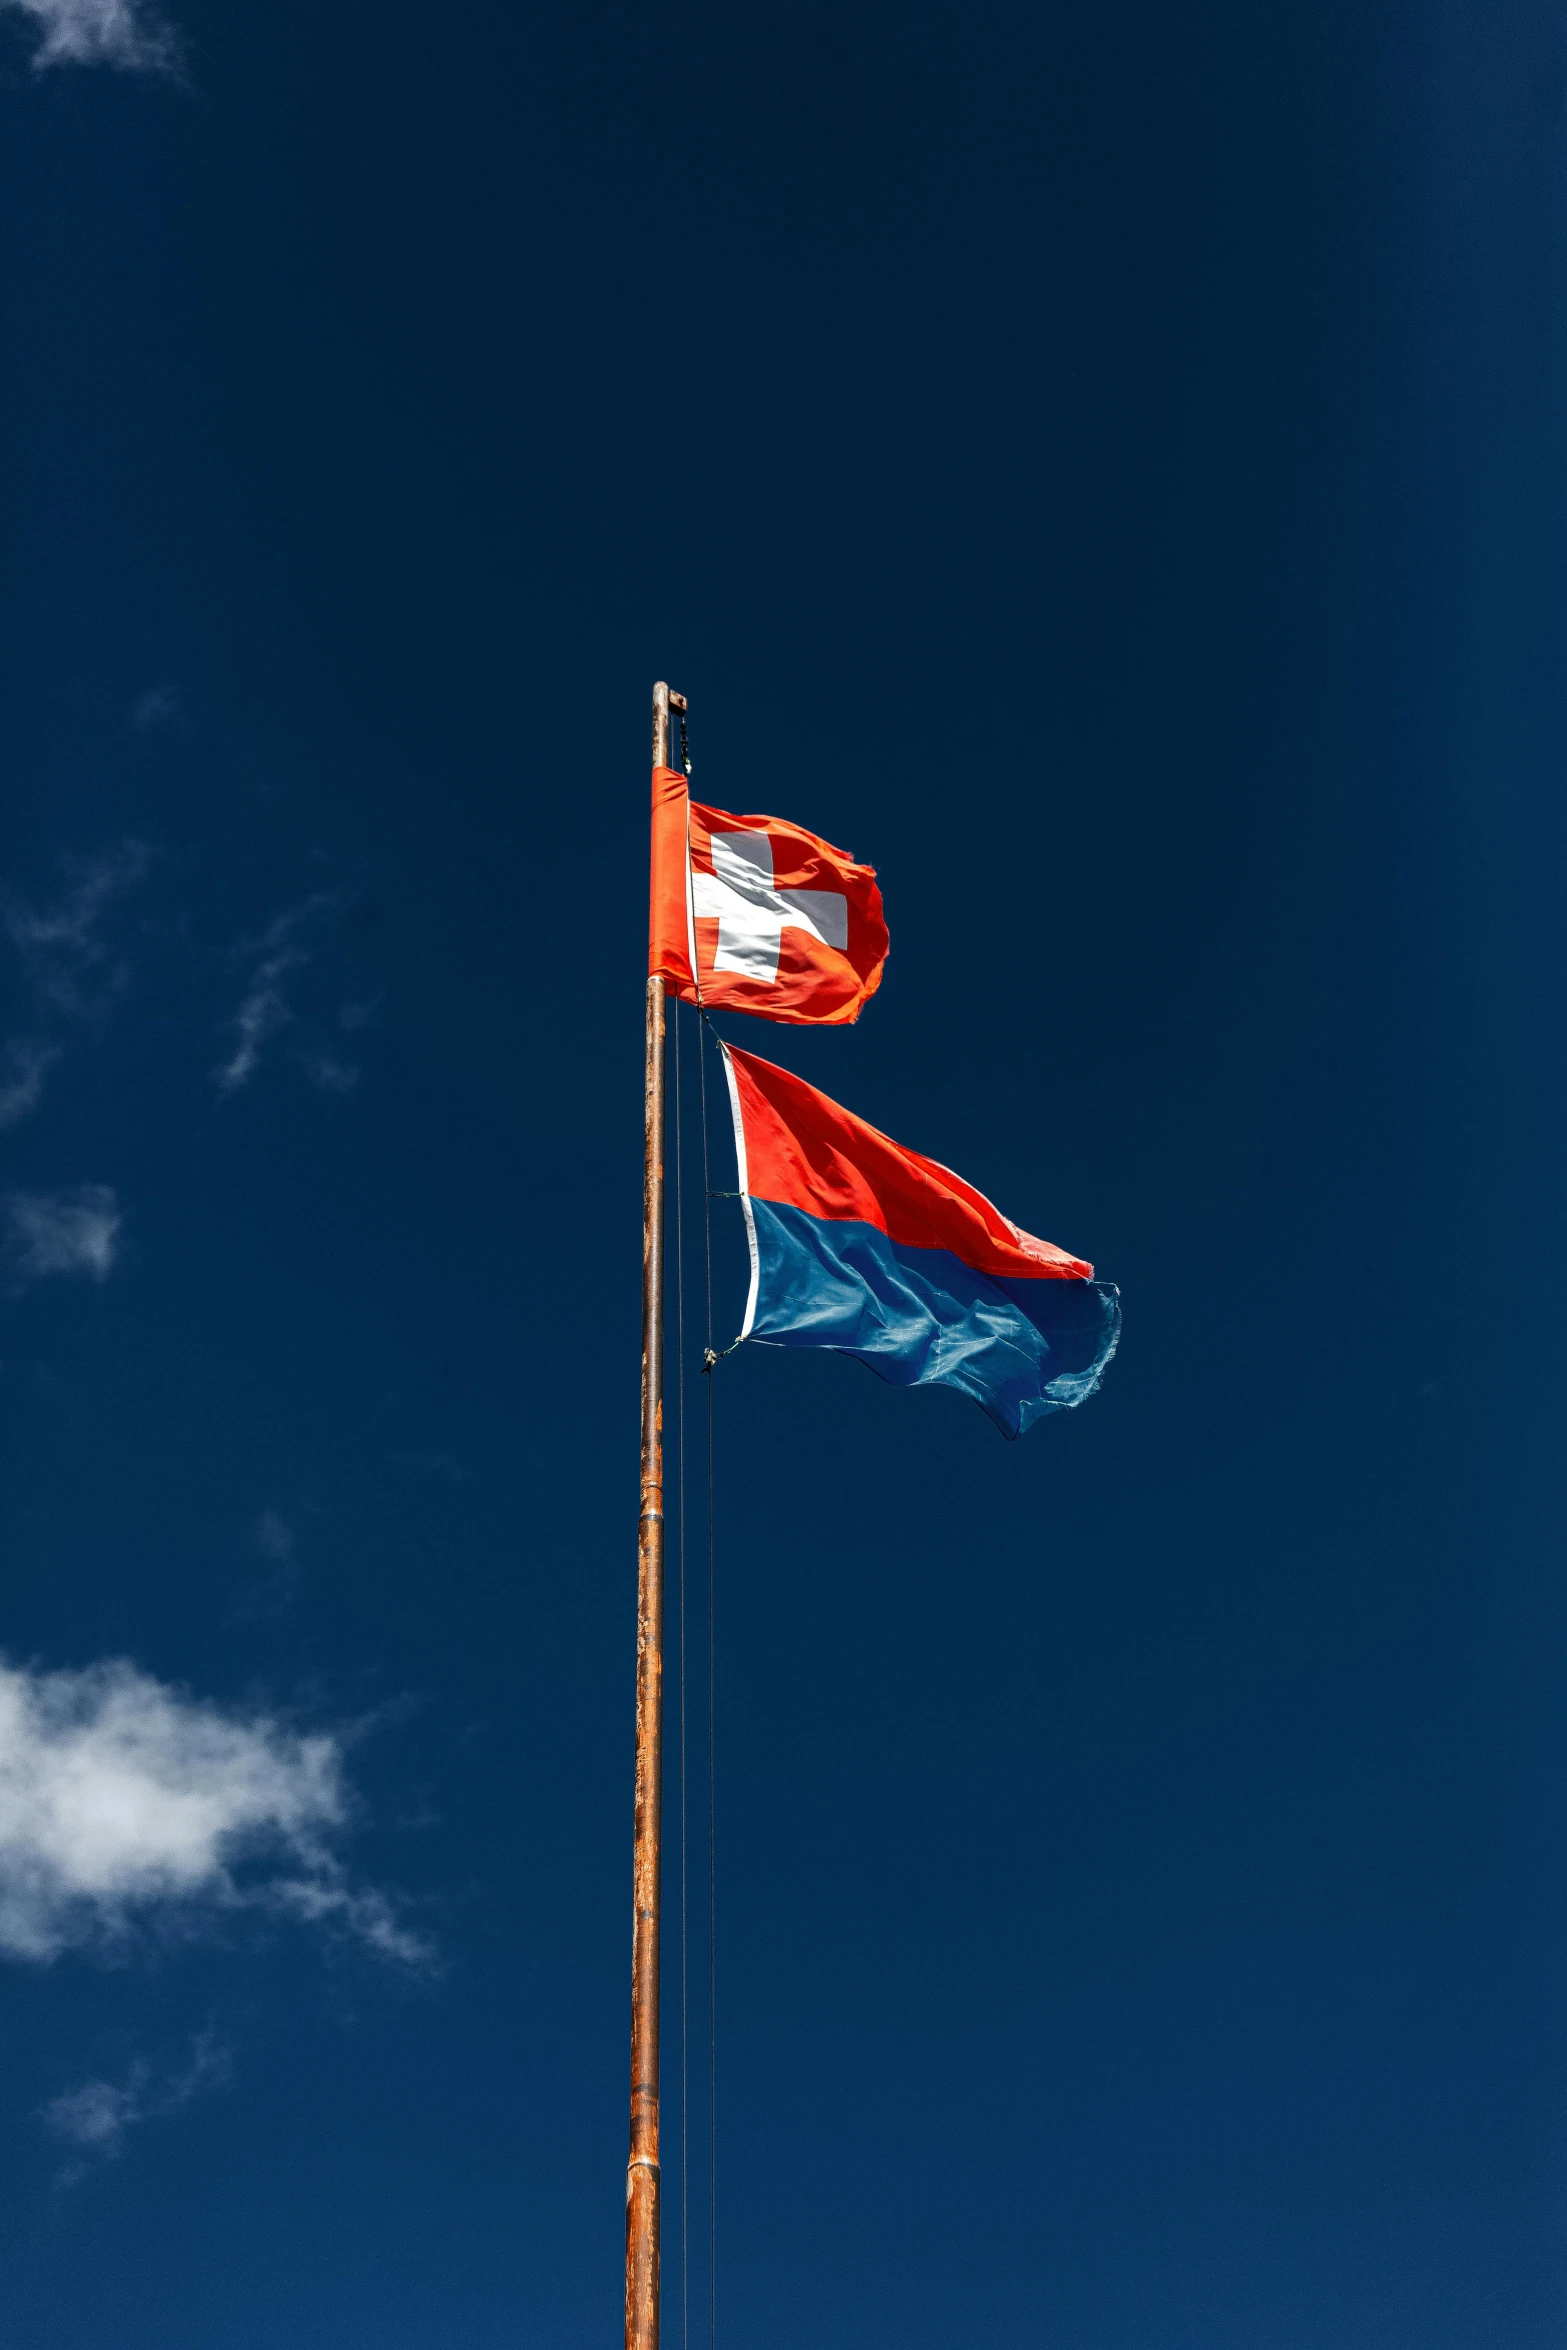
(680, 1481)
(709, 1358)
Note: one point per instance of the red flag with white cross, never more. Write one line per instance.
(751, 914)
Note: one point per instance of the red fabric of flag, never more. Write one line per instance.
(751, 914)
(799, 1149)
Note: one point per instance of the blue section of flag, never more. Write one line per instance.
(919, 1316)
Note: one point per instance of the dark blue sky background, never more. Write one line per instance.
(1104, 468)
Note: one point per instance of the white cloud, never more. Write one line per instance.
(59, 945)
(158, 706)
(328, 1073)
(98, 2113)
(66, 971)
(265, 1011)
(21, 1088)
(95, 2116)
(62, 1232)
(273, 1537)
(99, 32)
(126, 1803)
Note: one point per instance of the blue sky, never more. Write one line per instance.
(1104, 469)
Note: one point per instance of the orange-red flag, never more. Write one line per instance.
(750, 914)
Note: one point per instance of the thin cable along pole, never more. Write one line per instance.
(642, 2174)
(680, 1406)
(710, 1361)
(680, 1703)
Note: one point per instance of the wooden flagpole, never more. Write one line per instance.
(642, 2176)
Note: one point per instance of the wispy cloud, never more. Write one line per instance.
(61, 946)
(25, 1063)
(274, 1537)
(265, 1010)
(328, 1072)
(125, 1803)
(119, 33)
(68, 974)
(60, 1232)
(288, 1004)
(94, 2116)
(158, 706)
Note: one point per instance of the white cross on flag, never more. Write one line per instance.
(750, 914)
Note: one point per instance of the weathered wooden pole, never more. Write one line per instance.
(642, 2177)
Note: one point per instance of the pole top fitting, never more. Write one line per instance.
(676, 701)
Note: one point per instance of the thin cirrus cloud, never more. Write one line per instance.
(53, 1232)
(61, 946)
(73, 972)
(119, 33)
(95, 2116)
(266, 1011)
(158, 706)
(24, 1063)
(68, 974)
(127, 1805)
(274, 1594)
(273, 1536)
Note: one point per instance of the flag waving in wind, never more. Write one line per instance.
(750, 914)
(867, 1248)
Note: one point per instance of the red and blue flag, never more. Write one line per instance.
(864, 1247)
